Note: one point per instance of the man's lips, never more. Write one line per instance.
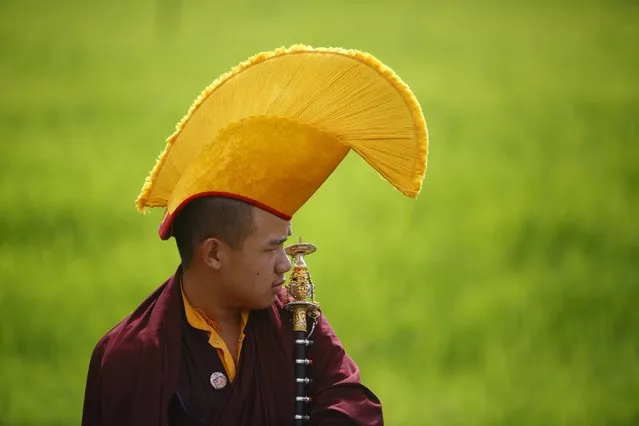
(279, 283)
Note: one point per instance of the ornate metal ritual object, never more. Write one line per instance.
(303, 306)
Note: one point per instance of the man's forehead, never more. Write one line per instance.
(269, 222)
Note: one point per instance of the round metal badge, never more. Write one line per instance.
(218, 380)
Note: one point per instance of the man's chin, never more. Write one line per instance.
(267, 301)
(276, 292)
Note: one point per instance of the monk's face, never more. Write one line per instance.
(254, 273)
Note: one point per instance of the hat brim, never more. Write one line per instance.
(165, 230)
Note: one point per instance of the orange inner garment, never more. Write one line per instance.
(198, 319)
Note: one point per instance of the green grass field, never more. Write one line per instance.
(505, 295)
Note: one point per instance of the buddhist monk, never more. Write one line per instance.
(214, 345)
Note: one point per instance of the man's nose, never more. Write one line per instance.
(284, 265)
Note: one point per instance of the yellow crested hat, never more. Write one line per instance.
(273, 129)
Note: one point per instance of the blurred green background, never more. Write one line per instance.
(505, 295)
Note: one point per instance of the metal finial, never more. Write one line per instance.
(300, 286)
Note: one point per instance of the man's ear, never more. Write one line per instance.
(211, 252)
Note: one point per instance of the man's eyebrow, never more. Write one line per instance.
(278, 241)
(281, 240)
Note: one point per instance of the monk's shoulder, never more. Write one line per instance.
(130, 345)
(119, 347)
(141, 334)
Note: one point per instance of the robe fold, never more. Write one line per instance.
(153, 369)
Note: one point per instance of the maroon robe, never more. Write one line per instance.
(152, 369)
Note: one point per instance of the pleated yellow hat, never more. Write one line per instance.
(273, 129)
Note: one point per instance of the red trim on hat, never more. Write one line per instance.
(165, 231)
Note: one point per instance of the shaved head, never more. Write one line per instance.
(224, 218)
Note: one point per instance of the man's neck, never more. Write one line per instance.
(202, 294)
